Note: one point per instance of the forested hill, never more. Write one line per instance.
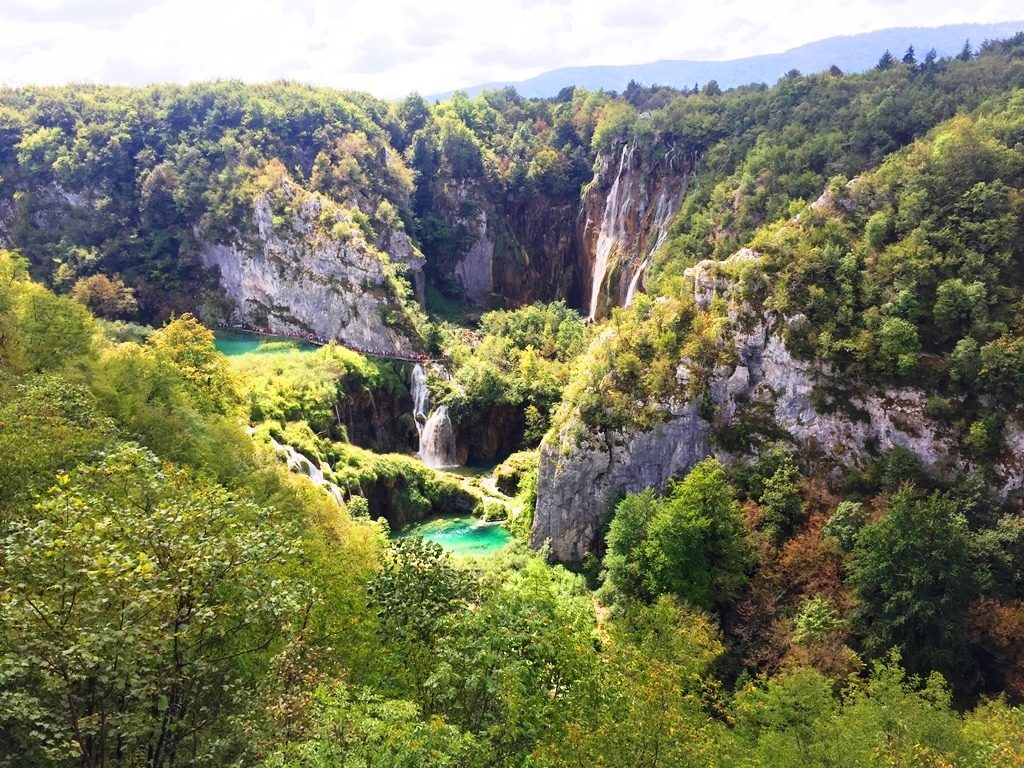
(740, 372)
(150, 185)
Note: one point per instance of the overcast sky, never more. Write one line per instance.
(391, 47)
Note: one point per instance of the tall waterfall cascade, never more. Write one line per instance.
(420, 398)
(667, 203)
(437, 444)
(613, 227)
(438, 447)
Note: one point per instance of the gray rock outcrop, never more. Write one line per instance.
(577, 489)
(583, 472)
(314, 272)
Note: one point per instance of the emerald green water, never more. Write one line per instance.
(233, 343)
(462, 535)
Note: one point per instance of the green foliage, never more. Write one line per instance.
(510, 474)
(104, 296)
(898, 346)
(353, 727)
(916, 572)
(38, 330)
(47, 424)
(507, 669)
(520, 360)
(630, 369)
(313, 387)
(189, 347)
(984, 438)
(845, 523)
(816, 619)
(689, 544)
(647, 703)
(400, 488)
(144, 595)
(796, 720)
(416, 588)
(626, 560)
(781, 504)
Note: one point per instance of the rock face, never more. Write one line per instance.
(627, 209)
(380, 421)
(313, 272)
(584, 472)
(509, 251)
(475, 270)
(492, 436)
(578, 484)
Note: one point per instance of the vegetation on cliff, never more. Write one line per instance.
(171, 595)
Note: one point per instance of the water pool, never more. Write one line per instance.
(234, 343)
(461, 535)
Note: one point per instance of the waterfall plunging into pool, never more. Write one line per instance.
(420, 398)
(437, 440)
(436, 432)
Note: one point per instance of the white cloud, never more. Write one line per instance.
(391, 47)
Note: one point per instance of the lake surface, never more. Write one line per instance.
(233, 343)
(462, 535)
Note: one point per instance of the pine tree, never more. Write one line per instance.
(929, 60)
(965, 54)
(908, 57)
(886, 61)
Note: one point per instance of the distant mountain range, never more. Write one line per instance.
(851, 53)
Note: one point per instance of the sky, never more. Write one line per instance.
(393, 47)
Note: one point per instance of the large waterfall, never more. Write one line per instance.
(436, 433)
(662, 216)
(420, 398)
(437, 441)
(612, 228)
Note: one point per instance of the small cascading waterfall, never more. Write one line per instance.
(420, 398)
(437, 441)
(436, 432)
(303, 465)
(612, 227)
(634, 282)
(662, 216)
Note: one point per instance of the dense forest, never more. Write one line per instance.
(198, 554)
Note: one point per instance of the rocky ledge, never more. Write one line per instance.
(583, 471)
(308, 268)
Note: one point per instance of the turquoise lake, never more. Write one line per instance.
(462, 535)
(233, 343)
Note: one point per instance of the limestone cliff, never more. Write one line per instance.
(627, 208)
(592, 250)
(307, 268)
(506, 251)
(583, 472)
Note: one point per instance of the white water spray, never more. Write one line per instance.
(612, 228)
(303, 465)
(662, 216)
(435, 430)
(437, 440)
(420, 398)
